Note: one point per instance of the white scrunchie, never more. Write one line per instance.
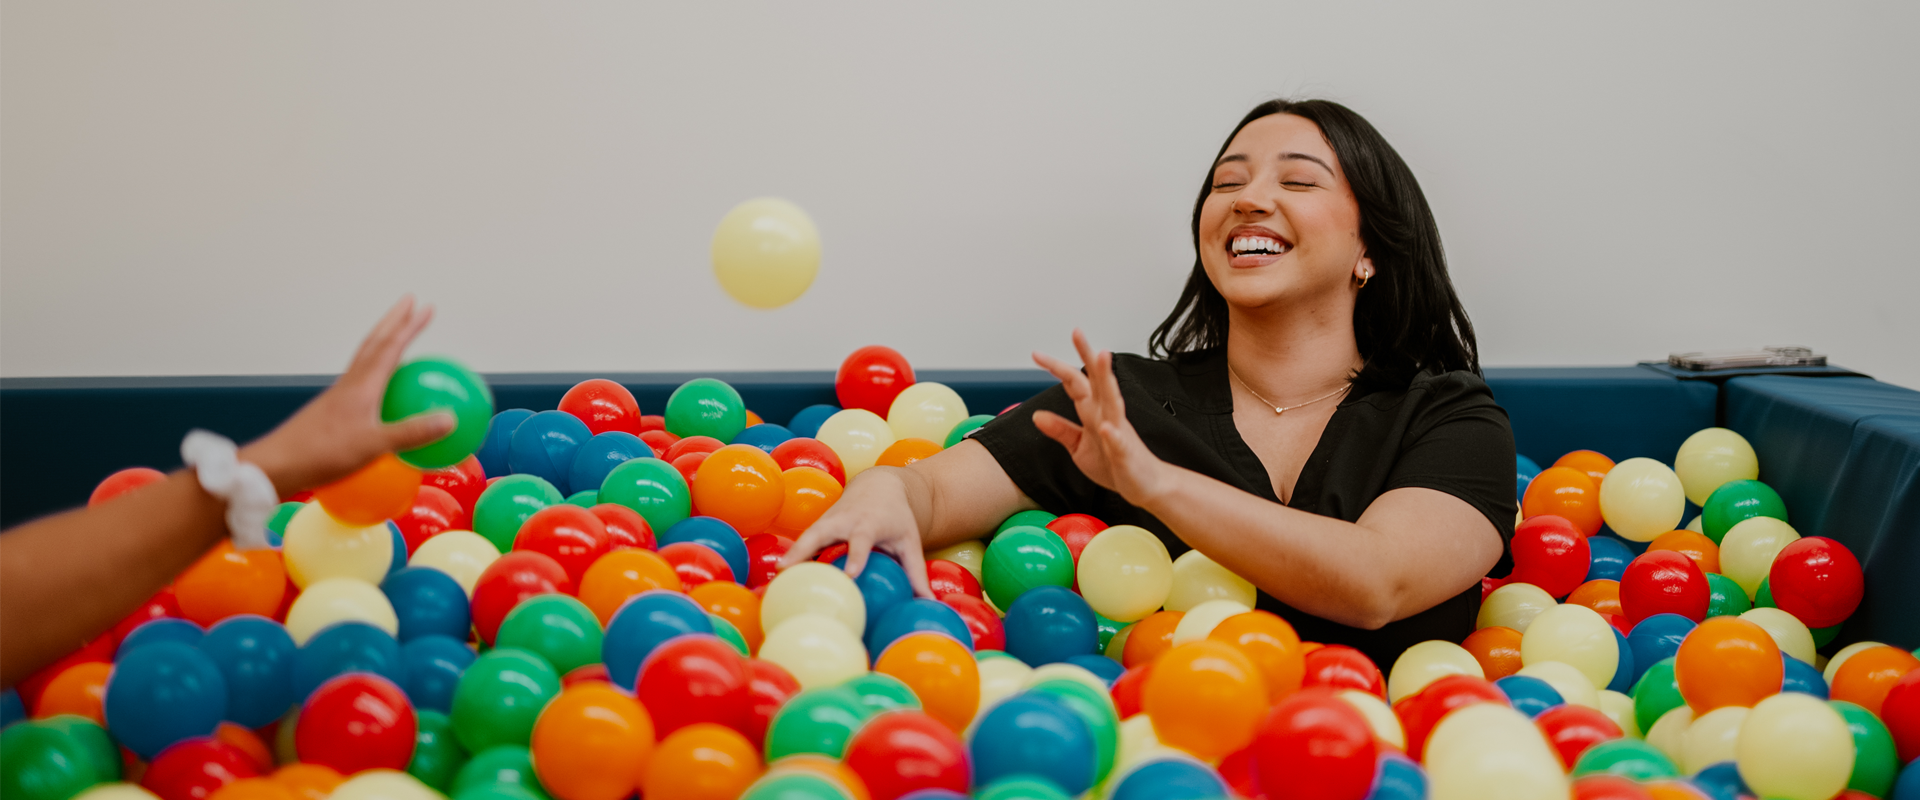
(250, 496)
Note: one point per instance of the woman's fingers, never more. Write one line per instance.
(382, 330)
(915, 563)
(857, 549)
(812, 541)
(1059, 429)
(1070, 379)
(418, 430)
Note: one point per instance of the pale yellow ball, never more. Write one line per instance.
(1202, 619)
(817, 650)
(1669, 733)
(1641, 499)
(766, 252)
(857, 436)
(116, 791)
(1794, 746)
(1000, 678)
(969, 554)
(1748, 550)
(1711, 457)
(1062, 671)
(1514, 606)
(464, 555)
(1574, 635)
(1787, 631)
(1197, 579)
(926, 410)
(384, 784)
(317, 547)
(1619, 708)
(1427, 662)
(1833, 665)
(1711, 737)
(1571, 683)
(336, 600)
(811, 587)
(1125, 573)
(1488, 751)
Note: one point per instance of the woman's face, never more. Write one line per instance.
(1281, 227)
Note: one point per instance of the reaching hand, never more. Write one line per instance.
(874, 513)
(1104, 445)
(340, 431)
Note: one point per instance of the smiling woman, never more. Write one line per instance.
(1318, 274)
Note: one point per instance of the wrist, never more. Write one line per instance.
(1163, 491)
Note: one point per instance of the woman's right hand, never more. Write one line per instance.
(875, 512)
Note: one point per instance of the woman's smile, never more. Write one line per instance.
(1250, 246)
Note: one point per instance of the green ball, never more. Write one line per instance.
(40, 762)
(500, 696)
(499, 791)
(503, 506)
(436, 756)
(1726, 598)
(881, 693)
(92, 737)
(1763, 597)
(706, 407)
(507, 767)
(285, 511)
(651, 487)
(729, 634)
(555, 627)
(1094, 709)
(794, 786)
(1736, 502)
(1825, 636)
(1033, 517)
(430, 384)
(1107, 629)
(1627, 757)
(966, 426)
(1025, 557)
(1656, 693)
(1875, 763)
(585, 498)
(983, 656)
(816, 721)
(1018, 788)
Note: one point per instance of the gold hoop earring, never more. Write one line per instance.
(1363, 281)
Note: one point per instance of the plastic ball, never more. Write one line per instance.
(506, 765)
(904, 452)
(38, 761)
(1571, 730)
(1205, 697)
(815, 649)
(1486, 750)
(1271, 644)
(1792, 637)
(1594, 465)
(925, 411)
(500, 697)
(806, 451)
(1050, 624)
(433, 665)
(766, 252)
(343, 648)
(1428, 661)
(620, 575)
(433, 511)
(1200, 620)
(1610, 558)
(597, 457)
(807, 494)
(226, 582)
(1875, 761)
(317, 547)
(651, 487)
(984, 625)
(735, 604)
(374, 494)
(764, 436)
(383, 784)
(1197, 579)
(1901, 712)
(1641, 499)
(1727, 661)
(434, 384)
(740, 485)
(940, 671)
(1023, 558)
(626, 529)
(196, 769)
(461, 555)
(165, 629)
(603, 405)
(427, 602)
(1314, 745)
(706, 407)
(77, 691)
(1514, 606)
(695, 679)
(357, 722)
(1868, 676)
(1570, 683)
(1748, 550)
(1550, 553)
(1566, 493)
(123, 481)
(900, 752)
(492, 453)
(814, 588)
(1712, 457)
(1738, 501)
(1815, 579)
(1627, 758)
(1663, 582)
(1497, 649)
(546, 445)
(161, 694)
(1035, 735)
(1125, 573)
(1601, 595)
(871, 377)
(1800, 676)
(507, 582)
(1794, 747)
(714, 535)
(701, 762)
(918, 614)
(1691, 544)
(1576, 636)
(819, 721)
(1529, 695)
(857, 437)
(338, 600)
(555, 627)
(507, 503)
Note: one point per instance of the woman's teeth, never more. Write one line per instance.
(1259, 245)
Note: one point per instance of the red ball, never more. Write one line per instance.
(196, 768)
(989, 633)
(1901, 713)
(1664, 582)
(946, 577)
(696, 563)
(1817, 580)
(830, 553)
(586, 673)
(772, 686)
(871, 378)
(660, 440)
(1127, 688)
(689, 465)
(692, 444)
(1619, 623)
(804, 452)
(904, 751)
(604, 406)
(625, 527)
(433, 511)
(1076, 530)
(1338, 666)
(1571, 729)
(1237, 770)
(1314, 745)
(652, 422)
(570, 535)
(356, 721)
(465, 481)
(1424, 709)
(124, 481)
(510, 579)
(162, 604)
(692, 679)
(1550, 553)
(764, 551)
(1608, 787)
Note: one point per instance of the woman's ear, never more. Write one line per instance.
(1363, 270)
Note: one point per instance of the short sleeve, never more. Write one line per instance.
(1042, 469)
(1461, 443)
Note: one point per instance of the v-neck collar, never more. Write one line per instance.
(1210, 388)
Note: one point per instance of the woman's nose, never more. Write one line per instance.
(1254, 202)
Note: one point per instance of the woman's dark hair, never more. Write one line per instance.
(1408, 317)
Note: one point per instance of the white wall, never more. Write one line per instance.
(194, 187)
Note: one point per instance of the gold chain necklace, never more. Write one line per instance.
(1277, 408)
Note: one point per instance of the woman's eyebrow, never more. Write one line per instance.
(1240, 157)
(1304, 157)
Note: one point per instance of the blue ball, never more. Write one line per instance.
(544, 445)
(806, 424)
(399, 559)
(1529, 695)
(163, 693)
(917, 614)
(1722, 782)
(11, 709)
(1049, 624)
(714, 535)
(647, 620)
(1102, 667)
(1907, 786)
(1610, 558)
(1397, 778)
(1525, 470)
(493, 450)
(1034, 735)
(434, 665)
(765, 436)
(883, 584)
(1655, 638)
(600, 455)
(1623, 670)
(165, 629)
(1803, 678)
(428, 602)
(256, 656)
(1171, 779)
(342, 648)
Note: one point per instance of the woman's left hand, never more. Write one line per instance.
(1104, 444)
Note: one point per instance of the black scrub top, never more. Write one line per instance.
(1440, 431)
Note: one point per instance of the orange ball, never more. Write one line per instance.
(702, 761)
(622, 574)
(79, 690)
(245, 741)
(226, 582)
(1693, 545)
(940, 671)
(308, 781)
(906, 451)
(832, 771)
(592, 743)
(379, 492)
(740, 485)
(754, 419)
(1497, 648)
(1594, 465)
(1727, 661)
(809, 493)
(1567, 493)
(1600, 594)
(1273, 646)
(1205, 697)
(252, 789)
(1865, 677)
(734, 603)
(1150, 637)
